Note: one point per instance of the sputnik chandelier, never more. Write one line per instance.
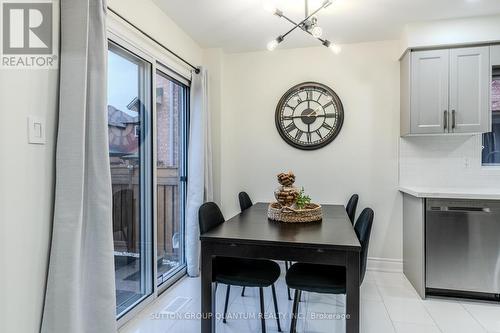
(309, 25)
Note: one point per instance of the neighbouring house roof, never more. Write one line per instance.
(118, 118)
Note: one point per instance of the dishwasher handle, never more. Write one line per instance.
(461, 209)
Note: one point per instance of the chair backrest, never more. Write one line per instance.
(363, 229)
(245, 201)
(209, 216)
(351, 207)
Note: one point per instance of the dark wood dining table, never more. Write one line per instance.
(251, 234)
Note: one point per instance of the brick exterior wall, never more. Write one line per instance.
(167, 122)
(495, 95)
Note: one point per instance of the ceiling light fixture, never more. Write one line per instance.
(309, 25)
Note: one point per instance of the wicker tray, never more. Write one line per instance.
(311, 213)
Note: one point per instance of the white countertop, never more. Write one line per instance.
(451, 193)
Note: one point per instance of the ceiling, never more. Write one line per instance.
(244, 25)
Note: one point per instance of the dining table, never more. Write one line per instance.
(250, 234)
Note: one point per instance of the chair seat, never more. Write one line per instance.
(246, 272)
(315, 278)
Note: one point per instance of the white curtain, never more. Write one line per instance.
(200, 187)
(80, 295)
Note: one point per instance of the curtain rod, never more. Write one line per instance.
(196, 69)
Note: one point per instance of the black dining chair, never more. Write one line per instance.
(245, 201)
(351, 207)
(240, 272)
(328, 279)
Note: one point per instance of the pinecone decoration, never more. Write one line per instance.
(286, 179)
(286, 194)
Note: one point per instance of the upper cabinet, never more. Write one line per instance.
(445, 91)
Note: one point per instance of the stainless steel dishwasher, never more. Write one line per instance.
(463, 248)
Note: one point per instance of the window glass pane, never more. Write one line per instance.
(170, 115)
(128, 93)
(491, 141)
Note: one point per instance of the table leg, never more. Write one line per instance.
(207, 294)
(352, 299)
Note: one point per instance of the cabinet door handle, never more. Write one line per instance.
(453, 119)
(445, 120)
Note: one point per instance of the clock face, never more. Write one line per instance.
(309, 116)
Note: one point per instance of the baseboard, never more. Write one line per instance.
(385, 265)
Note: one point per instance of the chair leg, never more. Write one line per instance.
(262, 313)
(288, 289)
(227, 301)
(243, 292)
(276, 311)
(295, 310)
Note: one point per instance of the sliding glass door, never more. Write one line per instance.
(129, 103)
(171, 111)
(147, 112)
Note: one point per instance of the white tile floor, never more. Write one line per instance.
(389, 304)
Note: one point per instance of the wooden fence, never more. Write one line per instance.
(126, 211)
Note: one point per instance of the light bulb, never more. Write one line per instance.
(332, 46)
(272, 45)
(317, 31)
(335, 48)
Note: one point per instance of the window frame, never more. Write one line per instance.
(128, 39)
(183, 132)
(494, 73)
(145, 157)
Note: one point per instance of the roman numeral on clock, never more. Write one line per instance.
(328, 127)
(327, 104)
(309, 95)
(298, 135)
(290, 127)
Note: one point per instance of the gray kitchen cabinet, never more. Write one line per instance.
(445, 91)
(429, 91)
(469, 90)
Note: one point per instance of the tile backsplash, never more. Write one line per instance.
(445, 161)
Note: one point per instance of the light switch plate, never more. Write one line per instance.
(36, 130)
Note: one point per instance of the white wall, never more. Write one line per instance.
(362, 159)
(445, 161)
(26, 194)
(484, 29)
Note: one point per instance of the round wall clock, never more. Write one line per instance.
(309, 116)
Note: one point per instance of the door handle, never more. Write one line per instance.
(445, 120)
(453, 119)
